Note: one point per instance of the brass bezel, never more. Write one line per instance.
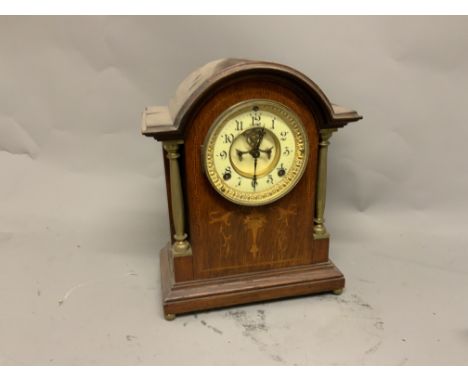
(291, 178)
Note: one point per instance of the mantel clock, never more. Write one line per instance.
(245, 155)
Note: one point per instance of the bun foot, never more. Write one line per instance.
(169, 317)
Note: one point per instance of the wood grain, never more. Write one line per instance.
(165, 123)
(218, 229)
(241, 289)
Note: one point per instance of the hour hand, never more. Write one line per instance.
(267, 151)
(240, 153)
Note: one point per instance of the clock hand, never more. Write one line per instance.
(254, 138)
(240, 153)
(250, 137)
(267, 151)
(260, 139)
(254, 180)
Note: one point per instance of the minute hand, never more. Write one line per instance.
(254, 180)
(259, 142)
(256, 153)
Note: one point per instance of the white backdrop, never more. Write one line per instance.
(83, 208)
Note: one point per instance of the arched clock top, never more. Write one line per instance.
(167, 123)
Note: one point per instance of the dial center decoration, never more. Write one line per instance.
(256, 148)
(256, 152)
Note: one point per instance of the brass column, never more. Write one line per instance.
(181, 246)
(320, 232)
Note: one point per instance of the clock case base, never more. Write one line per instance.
(205, 294)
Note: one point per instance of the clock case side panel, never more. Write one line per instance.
(208, 208)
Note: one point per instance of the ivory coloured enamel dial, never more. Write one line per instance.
(255, 152)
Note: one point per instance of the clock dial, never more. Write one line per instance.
(255, 152)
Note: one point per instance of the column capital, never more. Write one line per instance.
(325, 135)
(171, 147)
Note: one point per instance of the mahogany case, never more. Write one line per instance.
(221, 269)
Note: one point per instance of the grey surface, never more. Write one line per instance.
(83, 210)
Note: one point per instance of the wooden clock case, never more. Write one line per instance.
(222, 253)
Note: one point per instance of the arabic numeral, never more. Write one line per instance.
(228, 138)
(223, 154)
(256, 116)
(239, 125)
(256, 120)
(286, 151)
(270, 179)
